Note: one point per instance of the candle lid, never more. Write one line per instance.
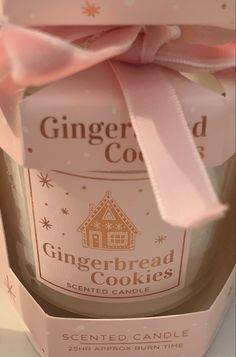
(119, 12)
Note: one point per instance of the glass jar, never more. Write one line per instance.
(96, 245)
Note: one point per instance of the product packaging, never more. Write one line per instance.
(117, 180)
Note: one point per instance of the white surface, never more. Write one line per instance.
(14, 343)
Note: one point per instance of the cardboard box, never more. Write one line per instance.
(119, 12)
(165, 336)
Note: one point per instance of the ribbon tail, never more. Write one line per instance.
(180, 183)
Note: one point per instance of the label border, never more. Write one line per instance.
(42, 279)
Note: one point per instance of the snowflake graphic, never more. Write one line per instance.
(46, 223)
(109, 226)
(45, 180)
(97, 225)
(90, 9)
(9, 288)
(65, 211)
(119, 226)
(161, 239)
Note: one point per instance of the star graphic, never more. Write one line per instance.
(65, 211)
(90, 9)
(9, 288)
(119, 226)
(109, 226)
(161, 239)
(46, 223)
(45, 180)
(97, 225)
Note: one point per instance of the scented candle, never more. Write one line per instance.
(86, 219)
(99, 247)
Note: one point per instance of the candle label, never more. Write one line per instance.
(101, 236)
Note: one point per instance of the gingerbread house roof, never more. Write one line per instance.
(108, 199)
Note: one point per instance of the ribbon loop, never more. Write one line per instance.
(149, 41)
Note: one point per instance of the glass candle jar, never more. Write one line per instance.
(96, 245)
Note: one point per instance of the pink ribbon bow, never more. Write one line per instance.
(33, 57)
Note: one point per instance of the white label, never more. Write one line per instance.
(101, 237)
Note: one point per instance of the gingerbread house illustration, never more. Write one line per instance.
(108, 227)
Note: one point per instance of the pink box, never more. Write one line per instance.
(120, 12)
(165, 336)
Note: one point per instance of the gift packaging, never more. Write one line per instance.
(117, 178)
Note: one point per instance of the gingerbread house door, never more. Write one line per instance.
(95, 240)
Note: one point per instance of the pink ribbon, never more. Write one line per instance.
(139, 56)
